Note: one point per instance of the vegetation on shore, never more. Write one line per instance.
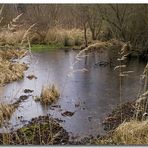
(128, 124)
(110, 31)
(11, 71)
(6, 110)
(46, 47)
(43, 130)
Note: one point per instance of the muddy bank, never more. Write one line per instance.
(43, 130)
(122, 113)
(122, 116)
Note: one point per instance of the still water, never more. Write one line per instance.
(90, 94)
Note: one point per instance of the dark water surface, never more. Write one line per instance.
(96, 91)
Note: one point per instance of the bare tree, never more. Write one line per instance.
(80, 12)
(116, 16)
(94, 21)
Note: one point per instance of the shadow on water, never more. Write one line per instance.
(90, 95)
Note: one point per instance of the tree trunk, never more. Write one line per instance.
(85, 35)
(94, 36)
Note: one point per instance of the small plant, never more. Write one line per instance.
(49, 94)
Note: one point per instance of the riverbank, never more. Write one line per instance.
(43, 130)
(11, 70)
(123, 128)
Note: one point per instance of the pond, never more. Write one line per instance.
(90, 94)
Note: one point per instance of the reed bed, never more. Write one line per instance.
(72, 37)
(11, 38)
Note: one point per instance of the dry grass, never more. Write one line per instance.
(133, 132)
(99, 46)
(11, 71)
(73, 37)
(11, 38)
(49, 94)
(12, 53)
(128, 133)
(6, 111)
(65, 37)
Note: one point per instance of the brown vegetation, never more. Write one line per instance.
(128, 122)
(72, 37)
(6, 111)
(133, 132)
(10, 71)
(11, 38)
(7, 54)
(48, 94)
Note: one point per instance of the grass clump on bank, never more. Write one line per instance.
(11, 71)
(49, 94)
(133, 132)
(8, 54)
(6, 110)
(8, 37)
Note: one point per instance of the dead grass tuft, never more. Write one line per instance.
(133, 132)
(6, 111)
(11, 38)
(11, 71)
(49, 94)
(12, 53)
